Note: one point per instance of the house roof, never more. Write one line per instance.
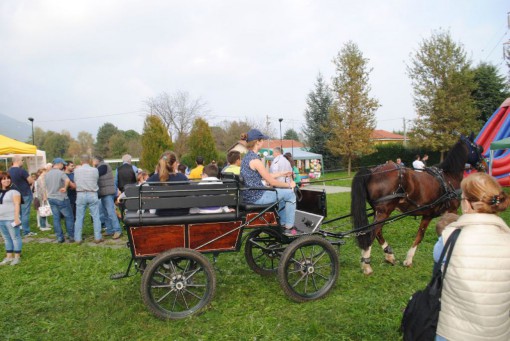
(379, 134)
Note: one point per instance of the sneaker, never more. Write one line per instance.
(60, 241)
(30, 234)
(6, 261)
(16, 261)
(45, 228)
(292, 232)
(116, 235)
(99, 241)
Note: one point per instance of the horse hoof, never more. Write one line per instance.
(367, 271)
(408, 263)
(390, 259)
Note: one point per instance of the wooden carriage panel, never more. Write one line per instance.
(151, 240)
(221, 236)
(267, 219)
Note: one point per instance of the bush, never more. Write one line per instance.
(392, 151)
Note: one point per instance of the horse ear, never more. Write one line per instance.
(472, 136)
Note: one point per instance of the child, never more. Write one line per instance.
(445, 220)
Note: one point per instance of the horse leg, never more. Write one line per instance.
(425, 221)
(388, 251)
(365, 261)
(389, 256)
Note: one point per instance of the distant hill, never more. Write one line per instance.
(21, 131)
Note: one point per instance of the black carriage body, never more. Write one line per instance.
(152, 233)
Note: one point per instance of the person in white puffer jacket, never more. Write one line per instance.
(475, 301)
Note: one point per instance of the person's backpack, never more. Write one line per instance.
(419, 322)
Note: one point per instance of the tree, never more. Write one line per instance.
(201, 143)
(178, 112)
(291, 134)
(318, 104)
(155, 140)
(117, 145)
(86, 142)
(442, 84)
(56, 145)
(490, 92)
(229, 132)
(105, 132)
(352, 114)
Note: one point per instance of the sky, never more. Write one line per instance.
(76, 65)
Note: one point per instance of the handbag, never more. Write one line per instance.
(419, 322)
(45, 209)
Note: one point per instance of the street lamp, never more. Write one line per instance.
(31, 119)
(281, 139)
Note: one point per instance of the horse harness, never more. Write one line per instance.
(446, 187)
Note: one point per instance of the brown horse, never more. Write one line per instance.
(388, 187)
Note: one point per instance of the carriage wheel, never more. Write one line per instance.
(308, 268)
(178, 283)
(262, 251)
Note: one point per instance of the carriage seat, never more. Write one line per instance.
(173, 201)
(133, 218)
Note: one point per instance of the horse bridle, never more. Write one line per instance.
(475, 157)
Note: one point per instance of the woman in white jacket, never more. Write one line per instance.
(475, 301)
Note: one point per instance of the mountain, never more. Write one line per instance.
(21, 131)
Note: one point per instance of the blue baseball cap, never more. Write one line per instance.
(255, 134)
(59, 160)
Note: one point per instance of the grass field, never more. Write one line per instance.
(63, 292)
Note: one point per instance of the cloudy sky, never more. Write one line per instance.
(75, 65)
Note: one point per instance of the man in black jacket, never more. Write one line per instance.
(126, 174)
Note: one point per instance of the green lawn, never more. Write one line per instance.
(63, 292)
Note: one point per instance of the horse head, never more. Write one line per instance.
(475, 157)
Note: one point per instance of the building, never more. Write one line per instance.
(380, 136)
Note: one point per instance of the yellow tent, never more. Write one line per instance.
(10, 146)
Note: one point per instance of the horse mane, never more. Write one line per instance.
(455, 159)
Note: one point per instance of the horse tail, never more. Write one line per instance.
(359, 196)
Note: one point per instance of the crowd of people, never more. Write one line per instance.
(69, 190)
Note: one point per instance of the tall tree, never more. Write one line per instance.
(117, 145)
(105, 132)
(155, 140)
(352, 115)
(442, 84)
(56, 145)
(318, 103)
(291, 134)
(178, 112)
(201, 142)
(491, 91)
(86, 142)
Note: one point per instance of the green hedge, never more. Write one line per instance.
(392, 151)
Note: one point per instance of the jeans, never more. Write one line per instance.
(286, 206)
(11, 235)
(43, 221)
(83, 200)
(25, 213)
(111, 221)
(62, 207)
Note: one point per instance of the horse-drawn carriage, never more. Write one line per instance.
(168, 246)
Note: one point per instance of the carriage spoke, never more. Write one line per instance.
(314, 283)
(163, 275)
(320, 255)
(165, 295)
(299, 280)
(320, 275)
(192, 293)
(184, 299)
(306, 283)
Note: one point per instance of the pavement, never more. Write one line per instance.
(328, 189)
